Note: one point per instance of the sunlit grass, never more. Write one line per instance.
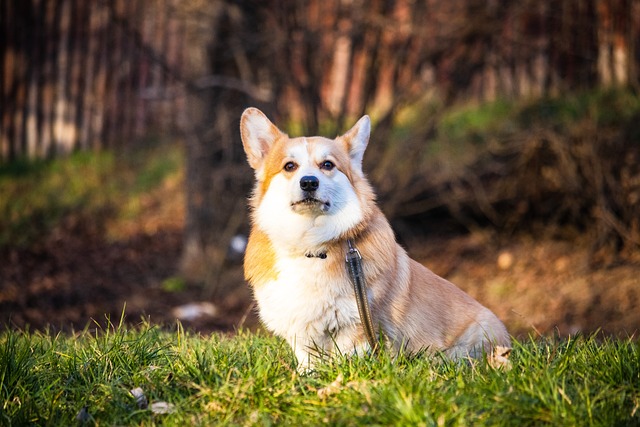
(251, 379)
(98, 186)
(472, 121)
(611, 107)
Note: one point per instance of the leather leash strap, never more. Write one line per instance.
(356, 273)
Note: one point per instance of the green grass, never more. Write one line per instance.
(476, 122)
(36, 195)
(613, 107)
(469, 122)
(249, 379)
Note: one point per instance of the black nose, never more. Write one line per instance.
(309, 183)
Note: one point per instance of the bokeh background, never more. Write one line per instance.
(505, 150)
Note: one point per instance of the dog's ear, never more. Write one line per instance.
(258, 135)
(356, 140)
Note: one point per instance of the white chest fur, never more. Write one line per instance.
(310, 306)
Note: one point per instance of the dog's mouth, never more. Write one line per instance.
(311, 204)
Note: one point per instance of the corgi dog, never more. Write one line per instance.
(311, 200)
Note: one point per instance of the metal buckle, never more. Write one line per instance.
(352, 250)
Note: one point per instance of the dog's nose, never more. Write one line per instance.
(309, 183)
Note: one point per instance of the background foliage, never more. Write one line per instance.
(495, 120)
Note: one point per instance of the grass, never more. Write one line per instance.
(472, 126)
(249, 379)
(36, 195)
(471, 121)
(476, 122)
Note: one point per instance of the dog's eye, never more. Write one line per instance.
(327, 165)
(290, 166)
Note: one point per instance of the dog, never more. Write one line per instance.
(311, 200)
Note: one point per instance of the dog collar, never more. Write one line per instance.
(321, 255)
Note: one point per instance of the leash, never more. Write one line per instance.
(356, 273)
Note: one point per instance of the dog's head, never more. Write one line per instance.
(306, 182)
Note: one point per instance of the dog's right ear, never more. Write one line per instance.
(356, 140)
(258, 135)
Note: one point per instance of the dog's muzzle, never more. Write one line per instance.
(309, 184)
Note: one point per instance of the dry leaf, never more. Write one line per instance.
(332, 388)
(162, 407)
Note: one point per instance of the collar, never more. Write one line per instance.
(321, 255)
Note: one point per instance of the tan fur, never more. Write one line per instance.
(414, 308)
(259, 259)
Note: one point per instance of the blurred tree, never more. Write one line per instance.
(77, 75)
(617, 42)
(226, 55)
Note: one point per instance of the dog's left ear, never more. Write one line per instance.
(356, 140)
(258, 135)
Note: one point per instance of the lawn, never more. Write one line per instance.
(123, 375)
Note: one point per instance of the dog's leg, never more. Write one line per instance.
(308, 353)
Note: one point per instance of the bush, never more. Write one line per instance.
(564, 164)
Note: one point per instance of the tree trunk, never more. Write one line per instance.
(217, 178)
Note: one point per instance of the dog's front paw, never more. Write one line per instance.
(306, 362)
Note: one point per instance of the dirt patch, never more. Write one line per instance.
(75, 278)
(535, 286)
